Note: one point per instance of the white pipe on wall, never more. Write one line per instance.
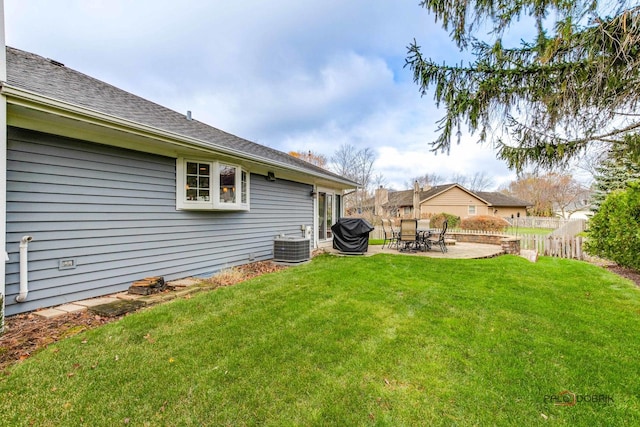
(3, 164)
(24, 268)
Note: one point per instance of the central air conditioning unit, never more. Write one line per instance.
(291, 249)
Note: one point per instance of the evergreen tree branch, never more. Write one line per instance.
(567, 89)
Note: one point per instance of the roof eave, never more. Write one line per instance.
(22, 97)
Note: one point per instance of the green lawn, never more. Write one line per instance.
(385, 340)
(527, 230)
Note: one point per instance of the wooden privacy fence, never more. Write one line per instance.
(554, 246)
(376, 233)
(571, 228)
(551, 223)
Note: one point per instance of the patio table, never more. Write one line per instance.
(422, 239)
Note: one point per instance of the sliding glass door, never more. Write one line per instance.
(329, 207)
(325, 215)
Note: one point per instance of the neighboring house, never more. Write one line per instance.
(450, 198)
(113, 188)
(576, 206)
(579, 209)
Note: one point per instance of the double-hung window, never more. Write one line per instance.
(212, 185)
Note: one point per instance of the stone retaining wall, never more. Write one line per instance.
(488, 239)
(510, 244)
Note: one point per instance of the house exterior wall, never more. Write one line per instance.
(113, 211)
(506, 212)
(454, 201)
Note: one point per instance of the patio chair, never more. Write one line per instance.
(408, 235)
(424, 234)
(390, 236)
(439, 239)
(393, 230)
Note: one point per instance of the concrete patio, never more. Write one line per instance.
(459, 250)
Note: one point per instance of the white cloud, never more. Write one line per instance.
(292, 75)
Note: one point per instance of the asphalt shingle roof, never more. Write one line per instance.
(405, 197)
(51, 79)
(500, 199)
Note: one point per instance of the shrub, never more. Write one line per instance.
(614, 231)
(484, 223)
(437, 220)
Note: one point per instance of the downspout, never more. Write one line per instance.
(3, 165)
(24, 268)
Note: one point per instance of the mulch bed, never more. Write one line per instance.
(25, 334)
(625, 272)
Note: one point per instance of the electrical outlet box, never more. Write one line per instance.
(67, 264)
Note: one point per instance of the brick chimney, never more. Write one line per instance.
(381, 198)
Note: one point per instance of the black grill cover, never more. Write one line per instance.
(351, 235)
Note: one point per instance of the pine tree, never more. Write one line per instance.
(621, 167)
(576, 82)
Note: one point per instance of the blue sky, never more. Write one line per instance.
(289, 74)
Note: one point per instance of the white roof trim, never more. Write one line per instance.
(22, 97)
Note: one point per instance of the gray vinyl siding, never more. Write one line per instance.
(113, 211)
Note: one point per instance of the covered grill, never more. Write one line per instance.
(351, 235)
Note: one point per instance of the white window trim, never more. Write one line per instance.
(475, 210)
(334, 211)
(214, 202)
